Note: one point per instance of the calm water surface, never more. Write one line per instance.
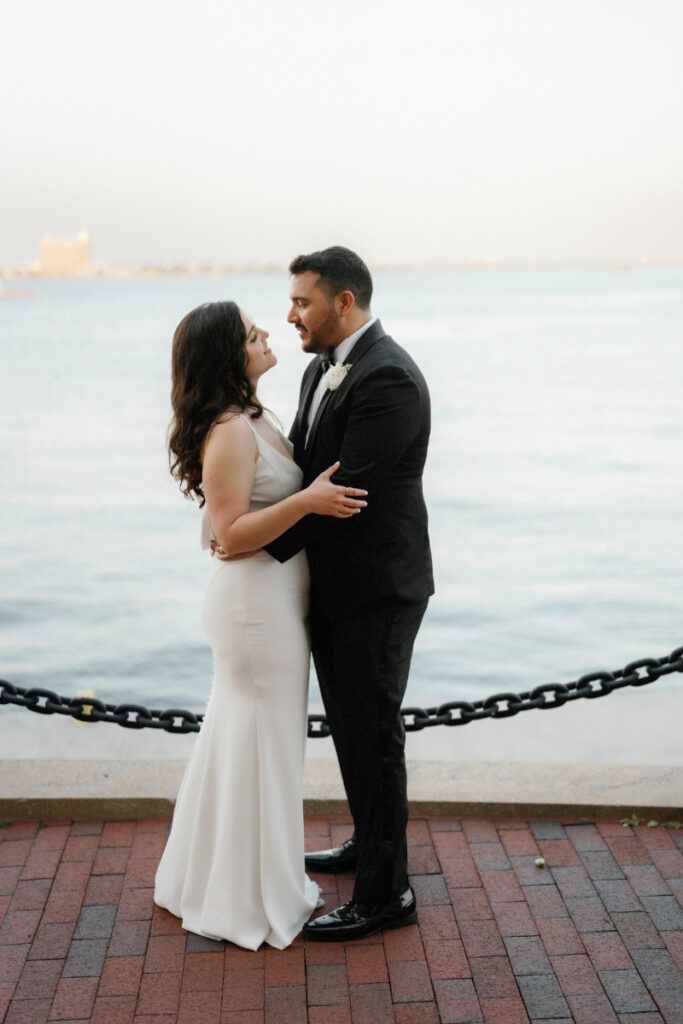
(554, 483)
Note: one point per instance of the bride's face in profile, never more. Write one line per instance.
(259, 357)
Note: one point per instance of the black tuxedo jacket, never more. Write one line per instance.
(377, 424)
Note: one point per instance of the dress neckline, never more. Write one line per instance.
(260, 437)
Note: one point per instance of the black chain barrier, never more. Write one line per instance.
(455, 712)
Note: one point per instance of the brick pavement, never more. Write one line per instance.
(594, 937)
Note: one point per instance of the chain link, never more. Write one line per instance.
(455, 712)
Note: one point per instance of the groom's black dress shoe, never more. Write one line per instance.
(341, 858)
(355, 920)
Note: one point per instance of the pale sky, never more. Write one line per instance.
(438, 130)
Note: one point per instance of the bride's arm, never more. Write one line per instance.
(228, 472)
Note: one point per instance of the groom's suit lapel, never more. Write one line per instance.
(360, 349)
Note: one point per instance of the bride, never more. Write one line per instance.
(233, 867)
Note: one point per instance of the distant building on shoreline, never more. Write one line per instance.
(64, 257)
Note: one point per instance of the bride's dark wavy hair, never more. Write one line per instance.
(208, 374)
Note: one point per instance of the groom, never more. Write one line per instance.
(371, 575)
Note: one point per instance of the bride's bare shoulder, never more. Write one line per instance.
(229, 431)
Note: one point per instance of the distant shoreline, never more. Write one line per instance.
(223, 269)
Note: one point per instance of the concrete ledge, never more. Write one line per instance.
(120, 789)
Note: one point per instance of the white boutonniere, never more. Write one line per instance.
(335, 375)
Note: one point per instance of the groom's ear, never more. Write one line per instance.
(344, 301)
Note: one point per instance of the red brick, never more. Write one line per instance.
(478, 830)
(52, 941)
(403, 944)
(329, 1015)
(422, 860)
(165, 953)
(416, 1013)
(237, 959)
(159, 993)
(501, 886)
(328, 984)
(29, 1011)
(471, 905)
(286, 1005)
(12, 962)
(164, 1018)
(129, 938)
(158, 825)
(140, 873)
(114, 1010)
(285, 967)
(6, 990)
(674, 943)
(627, 850)
(111, 860)
(607, 951)
(164, 923)
(117, 833)
(328, 952)
(15, 852)
(80, 848)
(430, 890)
(450, 844)
(316, 825)
(136, 905)
(371, 1003)
(514, 919)
(438, 923)
(558, 853)
(9, 878)
(31, 895)
(52, 837)
(86, 827)
(669, 863)
(39, 979)
(559, 936)
(244, 989)
(71, 876)
(200, 1008)
(103, 889)
(62, 908)
(460, 873)
(545, 902)
(593, 1009)
(121, 976)
(203, 972)
(518, 843)
(417, 832)
(74, 999)
(447, 959)
(493, 977)
(365, 965)
(576, 975)
(21, 830)
(510, 1010)
(410, 982)
(490, 857)
(645, 880)
(654, 838)
(457, 1002)
(148, 845)
(443, 823)
(19, 926)
(612, 828)
(481, 938)
(41, 864)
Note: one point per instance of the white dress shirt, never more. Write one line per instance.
(341, 354)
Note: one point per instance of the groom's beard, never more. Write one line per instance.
(322, 337)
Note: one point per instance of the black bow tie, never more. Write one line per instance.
(327, 359)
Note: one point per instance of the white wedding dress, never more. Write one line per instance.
(233, 867)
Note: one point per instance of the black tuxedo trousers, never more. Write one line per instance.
(362, 661)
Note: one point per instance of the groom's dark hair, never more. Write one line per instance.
(340, 269)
